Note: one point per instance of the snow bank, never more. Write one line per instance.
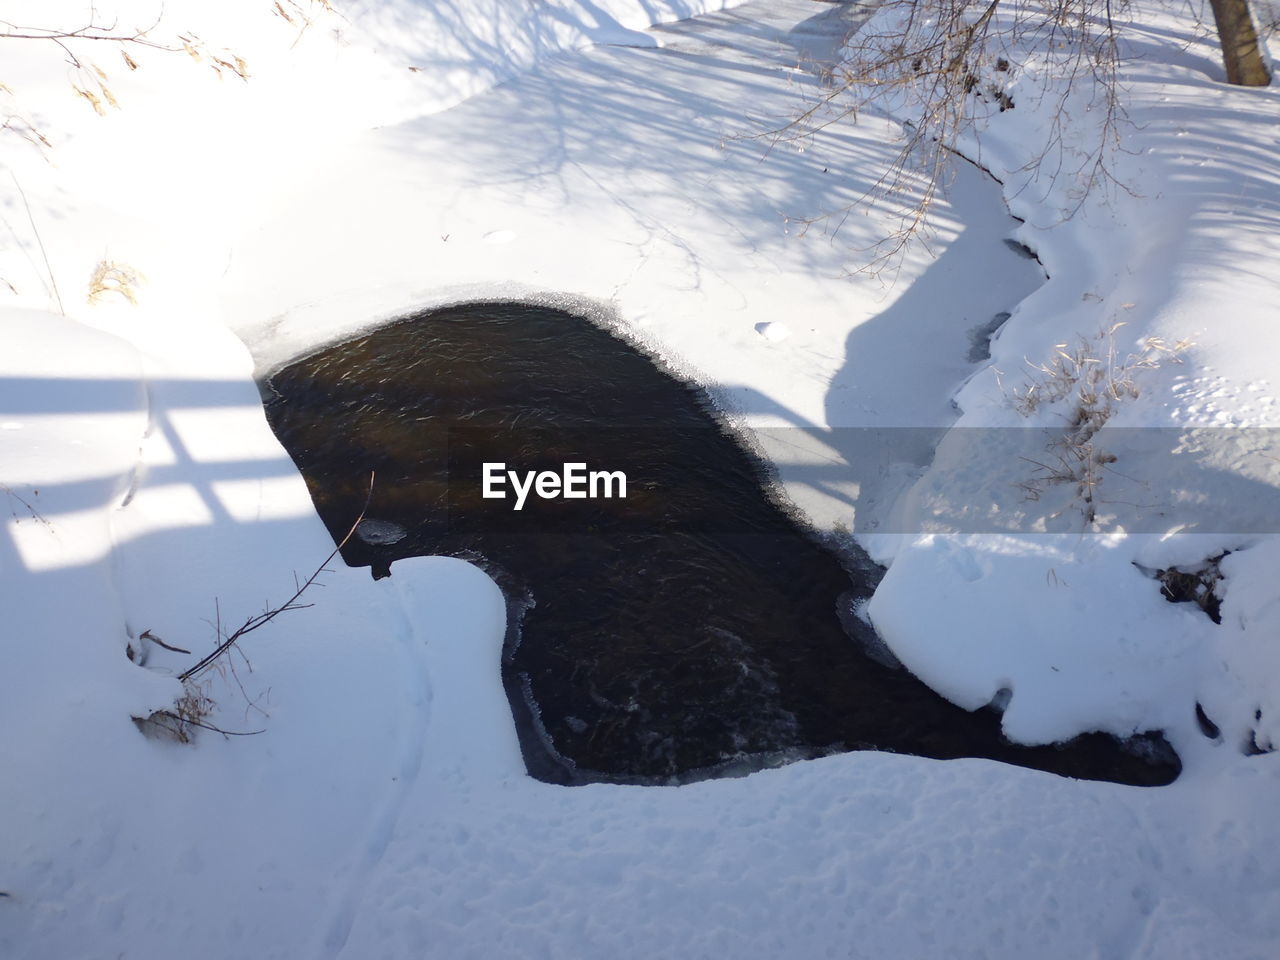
(185, 157)
(147, 501)
(1080, 637)
(1177, 252)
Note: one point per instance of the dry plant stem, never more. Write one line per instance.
(92, 81)
(53, 283)
(261, 619)
(111, 277)
(9, 492)
(1092, 381)
(226, 733)
(90, 31)
(148, 635)
(23, 127)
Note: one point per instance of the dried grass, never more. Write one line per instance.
(1089, 380)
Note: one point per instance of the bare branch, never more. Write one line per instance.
(148, 635)
(940, 67)
(262, 619)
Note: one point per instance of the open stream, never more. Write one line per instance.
(691, 628)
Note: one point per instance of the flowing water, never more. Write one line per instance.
(693, 628)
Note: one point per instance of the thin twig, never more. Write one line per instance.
(261, 619)
(35, 514)
(148, 635)
(43, 252)
(187, 721)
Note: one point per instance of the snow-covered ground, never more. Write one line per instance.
(396, 154)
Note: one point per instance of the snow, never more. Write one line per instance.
(402, 154)
(1178, 251)
(773, 330)
(1075, 648)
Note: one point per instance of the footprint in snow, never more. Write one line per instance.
(773, 331)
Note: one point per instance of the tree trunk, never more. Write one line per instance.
(1240, 50)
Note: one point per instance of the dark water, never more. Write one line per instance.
(692, 629)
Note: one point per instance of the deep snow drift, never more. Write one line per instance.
(373, 167)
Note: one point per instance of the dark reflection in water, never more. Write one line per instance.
(692, 629)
